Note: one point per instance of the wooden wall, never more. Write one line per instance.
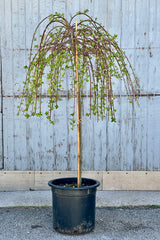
(131, 144)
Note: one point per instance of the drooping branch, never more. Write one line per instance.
(100, 61)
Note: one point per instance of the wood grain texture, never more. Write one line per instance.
(131, 144)
(1, 120)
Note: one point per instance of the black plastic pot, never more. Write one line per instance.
(73, 208)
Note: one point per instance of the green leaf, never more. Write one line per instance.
(113, 119)
(52, 122)
(79, 12)
(85, 11)
(39, 114)
(100, 60)
(27, 115)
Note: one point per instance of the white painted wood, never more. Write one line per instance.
(141, 21)
(1, 112)
(1, 124)
(8, 131)
(1, 146)
(130, 144)
(6, 46)
(128, 24)
(154, 27)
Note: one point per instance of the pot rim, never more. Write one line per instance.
(94, 185)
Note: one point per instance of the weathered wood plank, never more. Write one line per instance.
(31, 21)
(154, 71)
(141, 23)
(114, 19)
(36, 145)
(1, 112)
(153, 140)
(130, 144)
(2, 7)
(6, 47)
(8, 133)
(59, 6)
(1, 146)
(128, 24)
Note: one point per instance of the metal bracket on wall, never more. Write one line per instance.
(1, 115)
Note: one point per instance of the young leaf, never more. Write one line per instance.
(85, 11)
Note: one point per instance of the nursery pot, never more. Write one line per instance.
(73, 208)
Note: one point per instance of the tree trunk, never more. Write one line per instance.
(79, 152)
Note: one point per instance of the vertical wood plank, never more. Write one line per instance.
(114, 26)
(1, 112)
(8, 132)
(71, 138)
(19, 45)
(21, 160)
(113, 154)
(1, 146)
(142, 25)
(1, 94)
(154, 27)
(128, 24)
(153, 140)
(59, 6)
(154, 70)
(130, 144)
(7, 49)
(88, 139)
(114, 18)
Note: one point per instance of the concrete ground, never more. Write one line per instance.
(103, 198)
(120, 215)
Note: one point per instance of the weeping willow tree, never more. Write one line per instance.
(92, 57)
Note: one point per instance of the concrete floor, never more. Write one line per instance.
(120, 215)
(103, 198)
(35, 223)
